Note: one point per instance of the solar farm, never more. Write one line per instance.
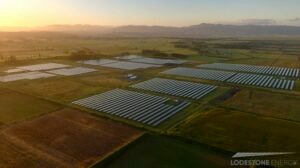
(233, 77)
(146, 102)
(147, 109)
(176, 88)
(200, 73)
(40, 67)
(25, 75)
(262, 81)
(267, 70)
(45, 70)
(72, 71)
(129, 65)
(158, 61)
(125, 65)
(98, 62)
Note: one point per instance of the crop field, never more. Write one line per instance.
(35, 47)
(16, 106)
(68, 138)
(13, 156)
(266, 104)
(160, 151)
(237, 131)
(68, 89)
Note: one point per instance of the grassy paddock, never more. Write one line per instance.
(238, 131)
(16, 106)
(161, 151)
(266, 103)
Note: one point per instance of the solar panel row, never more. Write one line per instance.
(277, 71)
(157, 61)
(26, 75)
(98, 62)
(129, 65)
(176, 88)
(200, 73)
(262, 81)
(40, 67)
(238, 78)
(72, 71)
(144, 108)
(119, 64)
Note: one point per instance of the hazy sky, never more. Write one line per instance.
(148, 12)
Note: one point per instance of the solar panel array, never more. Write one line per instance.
(129, 57)
(148, 109)
(277, 71)
(129, 65)
(72, 71)
(157, 61)
(14, 70)
(98, 62)
(40, 67)
(176, 88)
(262, 81)
(26, 75)
(200, 73)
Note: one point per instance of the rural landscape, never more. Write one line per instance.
(208, 95)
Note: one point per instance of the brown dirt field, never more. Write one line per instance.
(71, 138)
(12, 156)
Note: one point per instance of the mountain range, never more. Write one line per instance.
(197, 31)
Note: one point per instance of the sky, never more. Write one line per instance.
(34, 13)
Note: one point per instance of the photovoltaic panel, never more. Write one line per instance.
(129, 65)
(176, 88)
(98, 62)
(267, 70)
(72, 71)
(147, 60)
(157, 61)
(14, 70)
(40, 67)
(200, 73)
(144, 108)
(26, 75)
(262, 81)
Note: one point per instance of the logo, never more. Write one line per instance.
(243, 159)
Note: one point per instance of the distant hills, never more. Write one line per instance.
(196, 31)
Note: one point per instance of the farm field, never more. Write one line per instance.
(237, 131)
(266, 104)
(46, 46)
(161, 151)
(66, 138)
(17, 106)
(68, 89)
(39, 130)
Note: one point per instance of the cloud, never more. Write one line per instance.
(295, 20)
(258, 22)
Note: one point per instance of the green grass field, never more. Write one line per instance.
(238, 131)
(161, 152)
(16, 106)
(266, 104)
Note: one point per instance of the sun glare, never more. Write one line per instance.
(7, 5)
